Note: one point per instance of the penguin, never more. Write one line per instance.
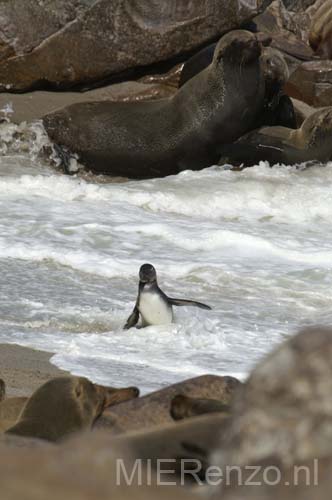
(152, 304)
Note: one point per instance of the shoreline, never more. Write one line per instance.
(24, 369)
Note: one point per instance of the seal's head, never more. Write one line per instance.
(275, 69)
(238, 47)
(65, 405)
(147, 273)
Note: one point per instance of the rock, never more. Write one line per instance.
(154, 409)
(273, 481)
(284, 410)
(62, 44)
(312, 83)
(289, 32)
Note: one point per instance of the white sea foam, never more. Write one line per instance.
(256, 245)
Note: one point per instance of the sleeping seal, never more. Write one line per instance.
(311, 142)
(66, 405)
(163, 137)
(152, 304)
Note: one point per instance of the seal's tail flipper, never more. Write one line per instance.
(183, 302)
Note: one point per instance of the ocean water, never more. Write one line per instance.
(256, 245)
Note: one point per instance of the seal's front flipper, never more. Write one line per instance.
(132, 320)
(182, 302)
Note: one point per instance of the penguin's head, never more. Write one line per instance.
(147, 273)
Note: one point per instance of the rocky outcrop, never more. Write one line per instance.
(60, 44)
(312, 83)
(281, 428)
(284, 410)
(288, 30)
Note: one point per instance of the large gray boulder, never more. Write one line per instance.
(278, 443)
(285, 408)
(59, 44)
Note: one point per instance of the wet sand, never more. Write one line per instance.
(24, 370)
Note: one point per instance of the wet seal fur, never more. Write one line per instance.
(152, 304)
(66, 405)
(312, 142)
(163, 137)
(278, 108)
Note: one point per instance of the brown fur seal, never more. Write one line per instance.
(159, 138)
(320, 36)
(2, 390)
(278, 108)
(185, 407)
(66, 405)
(153, 409)
(311, 142)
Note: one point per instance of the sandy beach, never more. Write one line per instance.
(24, 370)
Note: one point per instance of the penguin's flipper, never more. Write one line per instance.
(132, 320)
(183, 302)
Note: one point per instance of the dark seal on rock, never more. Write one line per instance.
(154, 139)
(278, 108)
(66, 405)
(310, 143)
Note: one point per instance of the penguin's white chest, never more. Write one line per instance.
(154, 310)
